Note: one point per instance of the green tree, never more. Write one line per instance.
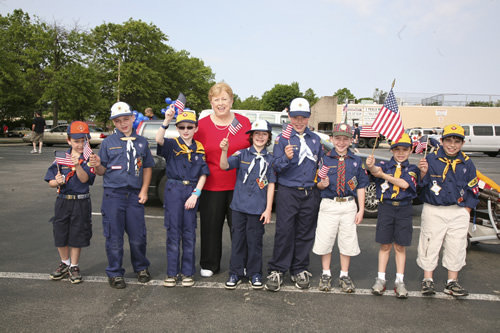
(250, 103)
(343, 95)
(311, 97)
(280, 96)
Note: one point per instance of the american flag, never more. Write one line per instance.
(388, 121)
(63, 158)
(180, 102)
(287, 131)
(367, 132)
(235, 126)
(421, 145)
(87, 151)
(323, 172)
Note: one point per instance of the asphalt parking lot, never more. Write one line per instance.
(32, 302)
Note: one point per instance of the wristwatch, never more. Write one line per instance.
(163, 126)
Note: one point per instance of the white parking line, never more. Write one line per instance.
(220, 285)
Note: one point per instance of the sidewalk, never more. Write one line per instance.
(11, 140)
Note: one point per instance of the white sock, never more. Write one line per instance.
(381, 275)
(449, 280)
(72, 265)
(399, 277)
(344, 273)
(327, 272)
(67, 262)
(428, 279)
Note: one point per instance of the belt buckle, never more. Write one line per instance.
(185, 182)
(70, 196)
(300, 188)
(395, 203)
(340, 199)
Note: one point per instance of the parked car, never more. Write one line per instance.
(58, 135)
(148, 129)
(484, 138)
(18, 131)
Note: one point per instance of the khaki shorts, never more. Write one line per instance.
(446, 227)
(336, 218)
(37, 137)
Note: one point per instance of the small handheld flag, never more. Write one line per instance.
(323, 172)
(63, 158)
(87, 151)
(287, 131)
(235, 126)
(421, 145)
(388, 121)
(180, 102)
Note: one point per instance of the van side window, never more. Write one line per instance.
(483, 130)
(466, 130)
(497, 130)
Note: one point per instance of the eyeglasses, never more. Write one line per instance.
(182, 128)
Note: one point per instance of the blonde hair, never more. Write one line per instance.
(218, 88)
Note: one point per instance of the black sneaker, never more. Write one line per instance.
(143, 276)
(428, 288)
(117, 282)
(274, 281)
(74, 275)
(302, 279)
(60, 272)
(454, 289)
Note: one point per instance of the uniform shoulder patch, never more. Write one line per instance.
(473, 182)
(413, 174)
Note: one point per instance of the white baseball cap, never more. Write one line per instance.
(120, 109)
(300, 107)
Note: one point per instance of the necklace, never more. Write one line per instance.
(221, 128)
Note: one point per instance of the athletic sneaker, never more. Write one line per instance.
(302, 279)
(187, 281)
(256, 281)
(143, 276)
(400, 289)
(325, 282)
(74, 275)
(39, 152)
(379, 286)
(117, 282)
(60, 272)
(274, 281)
(454, 289)
(170, 281)
(33, 151)
(428, 288)
(206, 273)
(232, 282)
(346, 284)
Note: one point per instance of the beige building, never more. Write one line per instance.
(326, 111)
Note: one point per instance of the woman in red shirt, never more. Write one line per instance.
(218, 190)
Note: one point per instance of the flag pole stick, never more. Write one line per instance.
(427, 145)
(375, 145)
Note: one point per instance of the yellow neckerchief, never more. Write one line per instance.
(395, 188)
(185, 149)
(453, 163)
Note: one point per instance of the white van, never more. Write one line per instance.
(482, 138)
(275, 117)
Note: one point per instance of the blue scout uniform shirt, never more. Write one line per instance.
(183, 162)
(290, 173)
(459, 187)
(248, 197)
(125, 162)
(355, 175)
(73, 185)
(409, 173)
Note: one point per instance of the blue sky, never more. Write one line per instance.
(429, 46)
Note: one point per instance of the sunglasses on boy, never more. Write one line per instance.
(182, 128)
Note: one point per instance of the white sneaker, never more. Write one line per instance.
(206, 272)
(39, 152)
(33, 151)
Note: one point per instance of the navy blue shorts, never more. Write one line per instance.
(72, 223)
(394, 224)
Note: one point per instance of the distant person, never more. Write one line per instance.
(218, 191)
(38, 128)
(5, 129)
(450, 191)
(72, 222)
(187, 172)
(355, 140)
(126, 164)
(150, 114)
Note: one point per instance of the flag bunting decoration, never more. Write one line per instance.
(486, 183)
(63, 158)
(235, 126)
(180, 102)
(388, 121)
(287, 131)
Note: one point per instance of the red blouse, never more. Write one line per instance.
(210, 136)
